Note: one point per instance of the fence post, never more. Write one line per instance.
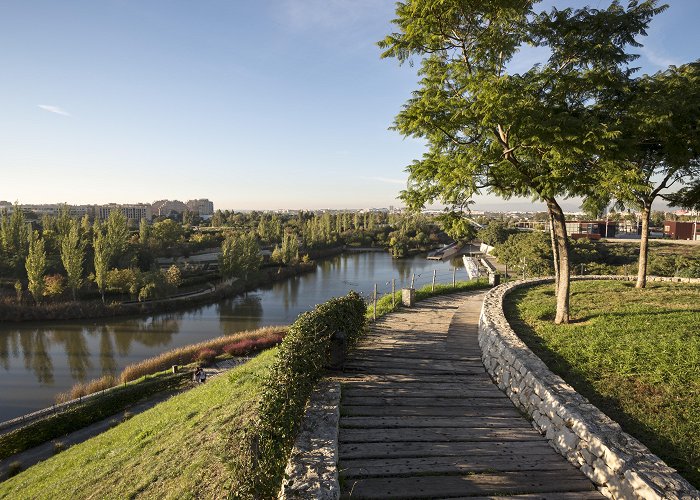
(375, 302)
(413, 280)
(393, 292)
(434, 274)
(454, 277)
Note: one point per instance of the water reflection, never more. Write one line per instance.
(247, 311)
(41, 361)
(38, 361)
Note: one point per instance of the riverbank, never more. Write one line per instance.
(13, 312)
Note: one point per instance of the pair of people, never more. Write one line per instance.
(200, 376)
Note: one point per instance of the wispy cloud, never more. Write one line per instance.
(54, 109)
(387, 180)
(325, 14)
(657, 59)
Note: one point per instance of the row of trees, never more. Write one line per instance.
(67, 251)
(576, 124)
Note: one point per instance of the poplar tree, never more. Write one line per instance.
(72, 255)
(534, 134)
(36, 266)
(117, 234)
(103, 255)
(14, 239)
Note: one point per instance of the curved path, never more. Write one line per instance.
(421, 418)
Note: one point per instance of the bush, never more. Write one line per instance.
(188, 354)
(298, 367)
(83, 389)
(206, 355)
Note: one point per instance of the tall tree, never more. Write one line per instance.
(72, 255)
(14, 239)
(117, 234)
(661, 114)
(103, 255)
(36, 266)
(534, 133)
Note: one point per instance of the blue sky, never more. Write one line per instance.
(268, 104)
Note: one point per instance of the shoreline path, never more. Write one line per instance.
(421, 418)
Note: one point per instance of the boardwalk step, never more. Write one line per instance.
(416, 421)
(462, 449)
(347, 410)
(441, 486)
(436, 434)
(366, 468)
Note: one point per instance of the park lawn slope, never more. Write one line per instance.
(182, 448)
(634, 353)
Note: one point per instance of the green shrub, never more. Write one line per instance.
(286, 389)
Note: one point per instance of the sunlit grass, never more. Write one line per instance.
(634, 353)
(182, 448)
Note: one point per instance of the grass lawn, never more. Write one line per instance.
(182, 448)
(634, 353)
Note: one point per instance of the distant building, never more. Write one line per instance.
(677, 230)
(134, 212)
(203, 207)
(166, 208)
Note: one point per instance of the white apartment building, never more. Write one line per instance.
(203, 207)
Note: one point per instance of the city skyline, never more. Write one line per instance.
(122, 101)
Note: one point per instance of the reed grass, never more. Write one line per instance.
(238, 344)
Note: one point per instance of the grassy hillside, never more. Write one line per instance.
(634, 353)
(182, 448)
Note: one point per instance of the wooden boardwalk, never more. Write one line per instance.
(420, 417)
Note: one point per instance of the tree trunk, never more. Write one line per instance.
(555, 252)
(562, 248)
(644, 248)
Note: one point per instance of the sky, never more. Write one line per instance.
(266, 104)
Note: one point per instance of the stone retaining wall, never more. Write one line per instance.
(619, 465)
(312, 469)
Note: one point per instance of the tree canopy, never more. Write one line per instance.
(538, 133)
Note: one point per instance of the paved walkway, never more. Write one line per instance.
(420, 417)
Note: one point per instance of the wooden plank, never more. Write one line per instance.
(347, 451)
(436, 434)
(465, 383)
(401, 354)
(429, 401)
(446, 486)
(572, 495)
(413, 378)
(454, 465)
(438, 411)
(381, 368)
(423, 361)
(415, 421)
(472, 392)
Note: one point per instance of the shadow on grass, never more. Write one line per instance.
(672, 454)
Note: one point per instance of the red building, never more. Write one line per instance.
(677, 230)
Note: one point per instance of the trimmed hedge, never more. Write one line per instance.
(286, 389)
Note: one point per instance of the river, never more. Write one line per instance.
(39, 360)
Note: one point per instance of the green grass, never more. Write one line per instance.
(634, 353)
(182, 448)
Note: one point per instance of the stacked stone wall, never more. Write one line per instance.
(619, 465)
